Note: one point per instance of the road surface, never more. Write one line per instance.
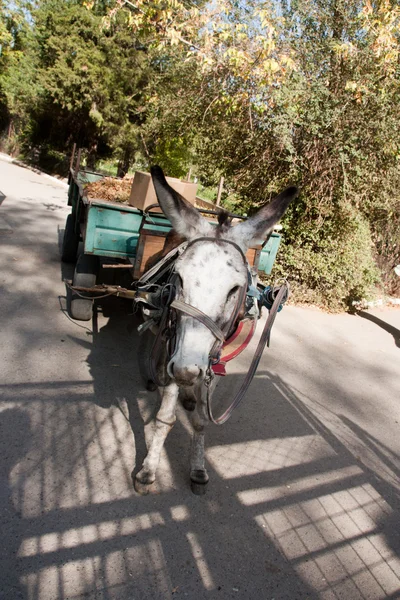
(304, 492)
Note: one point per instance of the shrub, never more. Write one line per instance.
(331, 265)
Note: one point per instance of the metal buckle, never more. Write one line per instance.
(209, 376)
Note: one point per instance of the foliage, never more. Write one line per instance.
(16, 93)
(324, 116)
(332, 266)
(263, 93)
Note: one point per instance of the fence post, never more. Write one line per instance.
(78, 162)
(220, 188)
(71, 162)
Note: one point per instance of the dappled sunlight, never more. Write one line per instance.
(304, 497)
(78, 537)
(290, 504)
(258, 456)
(77, 439)
(84, 531)
(199, 556)
(300, 486)
(334, 543)
(329, 522)
(108, 574)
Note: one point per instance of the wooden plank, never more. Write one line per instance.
(152, 245)
(220, 188)
(251, 255)
(71, 162)
(149, 244)
(139, 255)
(78, 162)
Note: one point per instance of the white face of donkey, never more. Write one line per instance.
(212, 272)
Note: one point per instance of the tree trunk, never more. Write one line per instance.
(124, 163)
(92, 157)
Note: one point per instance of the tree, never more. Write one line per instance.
(265, 94)
(306, 92)
(89, 83)
(16, 69)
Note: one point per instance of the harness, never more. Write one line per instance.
(158, 289)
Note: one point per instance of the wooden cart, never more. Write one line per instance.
(118, 233)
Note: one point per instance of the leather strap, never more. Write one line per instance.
(264, 339)
(190, 310)
(153, 271)
(217, 241)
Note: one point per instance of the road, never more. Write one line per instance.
(304, 492)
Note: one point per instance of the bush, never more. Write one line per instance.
(330, 266)
(49, 160)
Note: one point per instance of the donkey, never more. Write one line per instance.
(212, 277)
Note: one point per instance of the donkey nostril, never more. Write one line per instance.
(187, 375)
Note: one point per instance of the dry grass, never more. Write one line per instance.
(110, 188)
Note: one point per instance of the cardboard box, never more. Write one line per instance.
(143, 193)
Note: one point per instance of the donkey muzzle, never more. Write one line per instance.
(184, 375)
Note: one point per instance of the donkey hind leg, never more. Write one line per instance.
(165, 420)
(198, 472)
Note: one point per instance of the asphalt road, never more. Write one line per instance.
(304, 492)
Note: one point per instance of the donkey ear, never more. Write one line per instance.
(256, 228)
(185, 219)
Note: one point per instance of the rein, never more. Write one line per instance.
(167, 306)
(264, 339)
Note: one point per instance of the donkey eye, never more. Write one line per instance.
(233, 291)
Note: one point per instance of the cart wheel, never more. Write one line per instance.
(70, 241)
(85, 276)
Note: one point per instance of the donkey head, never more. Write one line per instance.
(212, 272)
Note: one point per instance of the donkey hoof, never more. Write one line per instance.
(198, 481)
(199, 489)
(142, 488)
(143, 481)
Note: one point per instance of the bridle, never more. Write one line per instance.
(220, 334)
(171, 306)
(167, 307)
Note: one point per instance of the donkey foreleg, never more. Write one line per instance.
(165, 420)
(198, 472)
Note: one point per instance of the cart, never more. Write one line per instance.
(120, 236)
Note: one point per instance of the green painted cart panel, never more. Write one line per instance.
(268, 254)
(159, 225)
(111, 231)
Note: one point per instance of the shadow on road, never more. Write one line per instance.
(389, 328)
(15, 439)
(294, 509)
(291, 512)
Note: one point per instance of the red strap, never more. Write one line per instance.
(236, 351)
(264, 339)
